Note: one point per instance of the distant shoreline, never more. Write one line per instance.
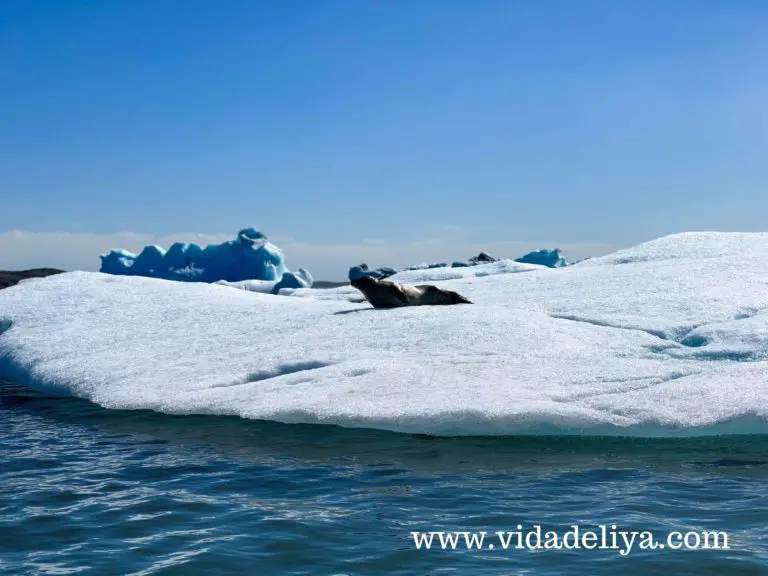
(10, 278)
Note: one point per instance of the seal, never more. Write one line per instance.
(387, 294)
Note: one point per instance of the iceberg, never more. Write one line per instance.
(482, 258)
(549, 258)
(299, 279)
(669, 338)
(263, 286)
(362, 270)
(250, 256)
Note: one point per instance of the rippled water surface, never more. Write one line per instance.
(83, 489)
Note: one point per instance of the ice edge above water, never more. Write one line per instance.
(666, 339)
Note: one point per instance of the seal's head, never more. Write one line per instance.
(363, 282)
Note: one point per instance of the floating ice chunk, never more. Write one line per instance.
(300, 279)
(249, 257)
(362, 270)
(263, 286)
(663, 340)
(482, 258)
(548, 258)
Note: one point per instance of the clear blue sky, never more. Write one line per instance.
(334, 121)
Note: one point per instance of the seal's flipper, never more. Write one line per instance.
(457, 298)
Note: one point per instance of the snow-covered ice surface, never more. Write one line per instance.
(443, 274)
(667, 338)
(290, 280)
(263, 286)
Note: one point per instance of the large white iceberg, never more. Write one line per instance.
(667, 338)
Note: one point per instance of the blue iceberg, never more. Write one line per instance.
(250, 256)
(362, 270)
(549, 258)
(299, 279)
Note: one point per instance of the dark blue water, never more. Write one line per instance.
(94, 491)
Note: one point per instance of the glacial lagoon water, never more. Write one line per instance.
(94, 491)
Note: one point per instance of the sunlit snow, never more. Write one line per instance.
(667, 338)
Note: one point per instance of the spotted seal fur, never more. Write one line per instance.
(387, 294)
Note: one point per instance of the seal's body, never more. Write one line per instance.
(386, 294)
